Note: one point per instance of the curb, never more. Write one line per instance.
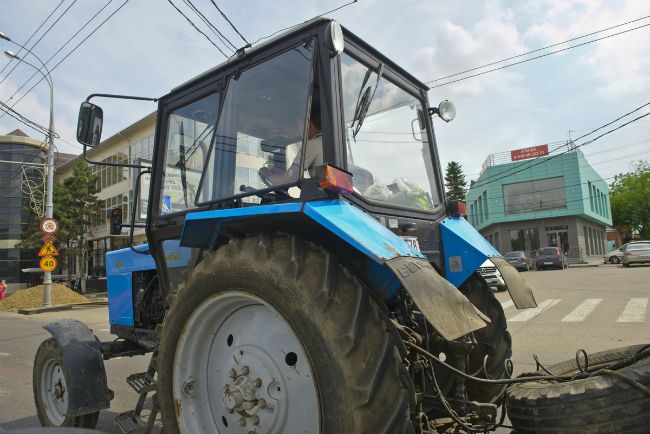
(36, 310)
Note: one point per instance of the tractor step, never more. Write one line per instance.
(130, 425)
(141, 382)
(149, 342)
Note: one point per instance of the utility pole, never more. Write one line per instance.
(49, 205)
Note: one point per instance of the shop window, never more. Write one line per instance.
(539, 195)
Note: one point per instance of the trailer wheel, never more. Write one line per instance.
(50, 390)
(271, 334)
(597, 404)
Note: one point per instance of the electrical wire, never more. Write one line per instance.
(32, 35)
(537, 50)
(224, 40)
(25, 120)
(512, 171)
(536, 57)
(74, 49)
(302, 22)
(230, 22)
(50, 58)
(42, 36)
(196, 28)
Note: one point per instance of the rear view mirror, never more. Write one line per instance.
(89, 126)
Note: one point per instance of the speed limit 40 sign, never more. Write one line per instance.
(48, 263)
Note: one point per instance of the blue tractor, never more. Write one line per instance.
(302, 263)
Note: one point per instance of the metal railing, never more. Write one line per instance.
(506, 157)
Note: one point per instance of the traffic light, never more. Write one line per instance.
(116, 221)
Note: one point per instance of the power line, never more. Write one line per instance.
(536, 57)
(75, 48)
(537, 50)
(42, 36)
(562, 153)
(512, 169)
(230, 22)
(294, 25)
(224, 40)
(32, 35)
(25, 120)
(196, 28)
(51, 57)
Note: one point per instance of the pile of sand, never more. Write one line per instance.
(33, 297)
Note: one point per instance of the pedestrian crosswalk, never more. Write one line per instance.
(634, 310)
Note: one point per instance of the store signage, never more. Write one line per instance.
(525, 153)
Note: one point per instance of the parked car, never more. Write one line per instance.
(518, 259)
(636, 253)
(492, 275)
(616, 256)
(551, 257)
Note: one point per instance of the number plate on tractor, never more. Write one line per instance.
(412, 242)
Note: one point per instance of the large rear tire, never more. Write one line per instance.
(50, 390)
(598, 404)
(325, 359)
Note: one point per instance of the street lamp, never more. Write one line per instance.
(49, 207)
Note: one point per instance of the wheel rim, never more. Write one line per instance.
(615, 260)
(54, 392)
(240, 367)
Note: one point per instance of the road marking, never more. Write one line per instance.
(634, 311)
(507, 304)
(583, 310)
(533, 312)
(5, 354)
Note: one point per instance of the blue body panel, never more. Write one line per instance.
(120, 266)
(465, 249)
(357, 228)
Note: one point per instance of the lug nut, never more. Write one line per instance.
(255, 420)
(258, 382)
(244, 370)
(188, 388)
(242, 422)
(232, 373)
(261, 403)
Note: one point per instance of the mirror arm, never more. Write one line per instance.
(102, 163)
(109, 95)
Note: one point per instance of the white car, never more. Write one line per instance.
(616, 256)
(492, 275)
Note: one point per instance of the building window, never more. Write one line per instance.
(496, 240)
(524, 239)
(539, 195)
(591, 197)
(485, 205)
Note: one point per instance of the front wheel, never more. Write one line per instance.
(271, 334)
(615, 260)
(51, 393)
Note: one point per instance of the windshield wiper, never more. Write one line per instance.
(363, 102)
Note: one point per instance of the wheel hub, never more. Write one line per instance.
(258, 377)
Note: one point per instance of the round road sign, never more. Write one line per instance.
(48, 263)
(49, 226)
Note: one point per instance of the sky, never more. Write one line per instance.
(146, 48)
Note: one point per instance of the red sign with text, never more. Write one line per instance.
(525, 153)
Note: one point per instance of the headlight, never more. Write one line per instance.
(447, 110)
(335, 38)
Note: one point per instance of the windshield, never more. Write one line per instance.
(388, 151)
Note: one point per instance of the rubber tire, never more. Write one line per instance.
(614, 260)
(626, 265)
(353, 348)
(49, 350)
(599, 404)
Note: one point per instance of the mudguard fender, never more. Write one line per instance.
(83, 366)
(465, 249)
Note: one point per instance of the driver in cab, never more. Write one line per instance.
(313, 150)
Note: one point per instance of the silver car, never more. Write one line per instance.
(636, 253)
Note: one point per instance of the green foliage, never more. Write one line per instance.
(455, 182)
(630, 199)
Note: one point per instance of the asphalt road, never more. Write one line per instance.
(593, 308)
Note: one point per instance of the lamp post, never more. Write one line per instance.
(49, 206)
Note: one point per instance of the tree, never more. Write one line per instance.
(455, 182)
(630, 200)
(75, 207)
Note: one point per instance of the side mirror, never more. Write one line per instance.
(89, 126)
